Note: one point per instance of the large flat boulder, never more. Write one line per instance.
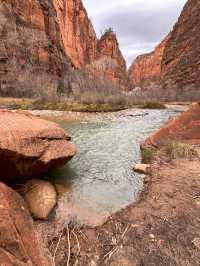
(184, 127)
(30, 146)
(19, 243)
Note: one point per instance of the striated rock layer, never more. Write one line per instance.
(172, 71)
(110, 62)
(146, 68)
(41, 42)
(78, 35)
(31, 49)
(101, 57)
(181, 58)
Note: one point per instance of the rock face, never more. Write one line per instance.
(181, 58)
(185, 127)
(78, 35)
(41, 197)
(19, 243)
(101, 57)
(146, 69)
(174, 66)
(31, 48)
(43, 41)
(110, 62)
(30, 146)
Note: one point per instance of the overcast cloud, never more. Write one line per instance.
(140, 24)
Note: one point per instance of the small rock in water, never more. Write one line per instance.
(41, 198)
(142, 168)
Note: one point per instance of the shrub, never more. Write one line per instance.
(153, 105)
(148, 155)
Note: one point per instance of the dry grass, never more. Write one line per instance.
(178, 150)
(154, 105)
(86, 102)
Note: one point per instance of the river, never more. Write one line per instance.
(100, 179)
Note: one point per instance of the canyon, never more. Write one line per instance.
(147, 68)
(44, 43)
(100, 57)
(47, 44)
(172, 70)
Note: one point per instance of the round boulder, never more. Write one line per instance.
(41, 198)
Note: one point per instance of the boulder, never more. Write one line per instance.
(185, 127)
(30, 146)
(19, 243)
(41, 198)
(142, 168)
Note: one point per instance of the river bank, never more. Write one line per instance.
(108, 148)
(138, 233)
(162, 228)
(65, 107)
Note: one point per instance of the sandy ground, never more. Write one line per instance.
(163, 228)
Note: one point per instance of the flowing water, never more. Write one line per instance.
(100, 178)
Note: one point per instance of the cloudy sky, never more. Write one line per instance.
(140, 24)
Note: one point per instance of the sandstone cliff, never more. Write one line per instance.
(110, 62)
(172, 71)
(101, 57)
(42, 41)
(146, 69)
(31, 50)
(78, 35)
(181, 58)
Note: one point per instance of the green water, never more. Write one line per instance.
(99, 180)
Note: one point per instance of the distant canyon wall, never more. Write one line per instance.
(42, 41)
(109, 62)
(147, 68)
(172, 70)
(101, 57)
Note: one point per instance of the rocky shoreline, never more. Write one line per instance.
(149, 230)
(160, 229)
(29, 148)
